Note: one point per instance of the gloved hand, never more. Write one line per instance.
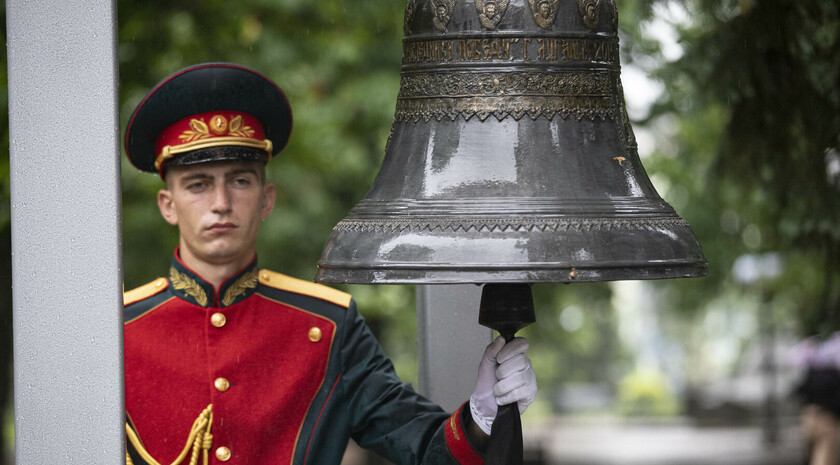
(505, 376)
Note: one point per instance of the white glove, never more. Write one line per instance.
(505, 376)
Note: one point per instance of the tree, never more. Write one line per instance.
(757, 105)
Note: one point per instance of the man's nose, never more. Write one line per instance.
(221, 199)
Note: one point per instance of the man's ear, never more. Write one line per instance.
(167, 206)
(269, 197)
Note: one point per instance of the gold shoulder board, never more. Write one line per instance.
(299, 286)
(145, 291)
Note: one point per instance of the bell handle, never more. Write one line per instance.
(505, 446)
(506, 308)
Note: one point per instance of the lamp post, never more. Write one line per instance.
(749, 270)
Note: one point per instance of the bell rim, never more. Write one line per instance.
(531, 274)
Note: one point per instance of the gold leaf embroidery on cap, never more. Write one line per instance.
(184, 283)
(246, 281)
(236, 123)
(237, 129)
(198, 130)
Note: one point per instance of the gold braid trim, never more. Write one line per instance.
(169, 151)
(199, 440)
(246, 281)
(184, 283)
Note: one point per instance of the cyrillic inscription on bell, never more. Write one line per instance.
(511, 157)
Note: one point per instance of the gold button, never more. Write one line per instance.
(265, 276)
(315, 334)
(223, 454)
(160, 282)
(218, 320)
(222, 384)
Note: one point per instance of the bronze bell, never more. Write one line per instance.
(511, 158)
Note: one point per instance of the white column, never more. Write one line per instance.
(66, 235)
(450, 342)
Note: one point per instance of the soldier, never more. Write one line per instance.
(228, 362)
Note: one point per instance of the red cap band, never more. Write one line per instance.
(209, 130)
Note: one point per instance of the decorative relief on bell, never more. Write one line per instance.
(505, 94)
(442, 13)
(510, 76)
(545, 12)
(410, 9)
(614, 10)
(490, 12)
(591, 11)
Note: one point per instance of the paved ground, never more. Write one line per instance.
(611, 442)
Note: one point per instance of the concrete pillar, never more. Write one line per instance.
(450, 342)
(66, 235)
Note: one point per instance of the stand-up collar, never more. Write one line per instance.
(190, 286)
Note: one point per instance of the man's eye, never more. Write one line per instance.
(242, 181)
(196, 186)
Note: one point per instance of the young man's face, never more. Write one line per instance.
(218, 208)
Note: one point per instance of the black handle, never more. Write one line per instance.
(505, 446)
(506, 308)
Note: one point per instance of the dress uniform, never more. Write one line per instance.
(264, 368)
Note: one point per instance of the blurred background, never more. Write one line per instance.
(736, 108)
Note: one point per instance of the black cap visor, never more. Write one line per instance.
(217, 154)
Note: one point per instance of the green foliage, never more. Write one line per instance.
(757, 105)
(7, 428)
(575, 337)
(646, 394)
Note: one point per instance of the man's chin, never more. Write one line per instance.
(225, 254)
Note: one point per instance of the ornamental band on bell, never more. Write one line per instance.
(518, 224)
(432, 90)
(502, 94)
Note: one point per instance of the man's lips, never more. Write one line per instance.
(221, 228)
